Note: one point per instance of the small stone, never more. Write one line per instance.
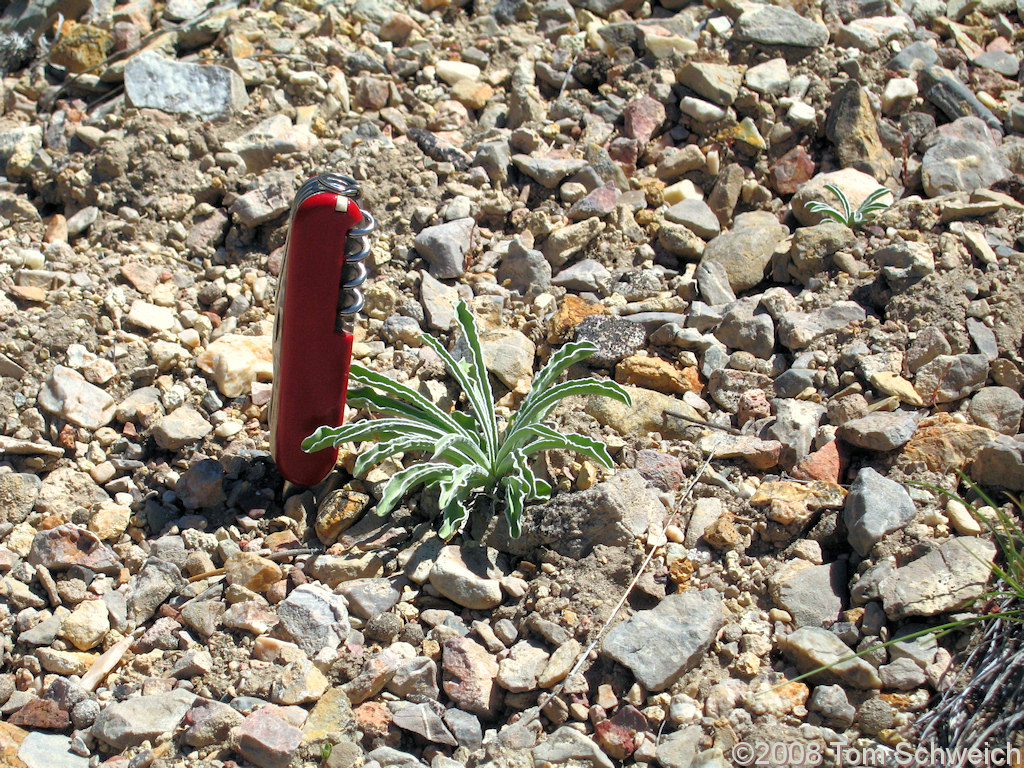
(65, 546)
(81, 47)
(235, 362)
(438, 301)
(249, 570)
(696, 216)
(423, 720)
(314, 618)
(299, 682)
(39, 750)
(67, 394)
(813, 647)
(453, 72)
(567, 745)
(565, 242)
(548, 170)
(898, 95)
(518, 672)
(270, 199)
(144, 718)
(811, 593)
(661, 644)
(585, 275)
(746, 250)
(997, 408)
(769, 78)
(856, 185)
(463, 577)
(369, 597)
(880, 431)
(87, 625)
(445, 247)
(266, 739)
(948, 378)
(560, 664)
(469, 677)
(523, 269)
(181, 427)
(339, 510)
(202, 485)
(957, 101)
(875, 507)
(792, 170)
(210, 722)
(642, 118)
(964, 158)
(831, 702)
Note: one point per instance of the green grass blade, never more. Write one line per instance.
(402, 481)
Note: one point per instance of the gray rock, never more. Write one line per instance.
(202, 485)
(549, 170)
(946, 579)
(696, 216)
(467, 577)
(998, 408)
(508, 354)
(421, 719)
(774, 25)
(984, 338)
(45, 750)
(947, 378)
(266, 739)
(875, 507)
(445, 246)
(813, 247)
(881, 431)
(314, 618)
(831, 702)
(415, 677)
(523, 269)
(181, 427)
(209, 91)
(915, 56)
(494, 157)
(518, 672)
(585, 275)
(659, 645)
(67, 394)
(905, 262)
(567, 745)
(852, 128)
(929, 344)
(271, 198)
(18, 493)
(1000, 464)
(794, 381)
(746, 250)
(812, 595)
(615, 338)
(465, 727)
(1003, 62)
(150, 587)
(680, 241)
(797, 330)
(747, 327)
(769, 78)
(875, 715)
(813, 647)
(963, 157)
(369, 597)
(713, 280)
(130, 722)
(678, 749)
(902, 675)
(612, 513)
(400, 328)
(942, 88)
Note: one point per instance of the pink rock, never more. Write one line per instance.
(642, 118)
(660, 469)
(791, 170)
(827, 463)
(614, 739)
(66, 545)
(267, 740)
(598, 203)
(624, 151)
(753, 404)
(469, 677)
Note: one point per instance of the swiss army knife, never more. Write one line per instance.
(318, 297)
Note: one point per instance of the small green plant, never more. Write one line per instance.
(467, 451)
(851, 218)
(325, 752)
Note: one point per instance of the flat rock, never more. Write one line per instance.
(772, 25)
(60, 548)
(314, 618)
(445, 247)
(948, 378)
(746, 250)
(470, 674)
(963, 158)
(569, 746)
(208, 91)
(659, 645)
(130, 722)
(875, 507)
(813, 647)
(797, 330)
(856, 185)
(235, 362)
(880, 431)
(267, 739)
(1000, 464)
(548, 170)
(946, 579)
(813, 594)
(45, 750)
(67, 394)
(181, 427)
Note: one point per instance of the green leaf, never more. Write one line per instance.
(422, 408)
(541, 407)
(445, 447)
(332, 437)
(457, 487)
(567, 355)
(402, 481)
(479, 384)
(573, 441)
(843, 200)
(516, 491)
(453, 520)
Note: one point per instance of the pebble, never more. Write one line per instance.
(68, 395)
(462, 577)
(469, 677)
(145, 718)
(746, 250)
(267, 739)
(181, 427)
(963, 157)
(775, 26)
(446, 246)
(875, 507)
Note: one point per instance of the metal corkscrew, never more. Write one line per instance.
(318, 298)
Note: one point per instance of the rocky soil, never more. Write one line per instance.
(635, 174)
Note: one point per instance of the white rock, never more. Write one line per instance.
(235, 362)
(150, 316)
(453, 72)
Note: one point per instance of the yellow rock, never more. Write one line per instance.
(87, 625)
(657, 374)
(895, 385)
(235, 362)
(81, 47)
(252, 571)
(941, 443)
(11, 737)
(571, 312)
(646, 414)
(338, 512)
(110, 520)
(682, 190)
(796, 503)
(65, 662)
(331, 712)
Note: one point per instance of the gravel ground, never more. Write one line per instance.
(633, 174)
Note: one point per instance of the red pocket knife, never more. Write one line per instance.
(318, 297)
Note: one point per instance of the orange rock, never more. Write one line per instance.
(941, 443)
(828, 464)
(795, 503)
(252, 571)
(372, 718)
(571, 313)
(657, 374)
